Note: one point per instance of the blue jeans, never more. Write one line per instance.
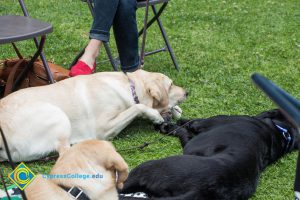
(121, 14)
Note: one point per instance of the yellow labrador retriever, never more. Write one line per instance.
(96, 161)
(42, 119)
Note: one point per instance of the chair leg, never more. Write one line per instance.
(76, 58)
(47, 68)
(147, 25)
(30, 64)
(42, 55)
(110, 57)
(91, 7)
(142, 56)
(154, 18)
(163, 32)
(24, 9)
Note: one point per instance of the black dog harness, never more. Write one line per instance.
(75, 192)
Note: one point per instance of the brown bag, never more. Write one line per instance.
(10, 69)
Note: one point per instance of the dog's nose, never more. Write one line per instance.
(186, 93)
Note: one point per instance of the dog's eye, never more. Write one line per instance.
(170, 86)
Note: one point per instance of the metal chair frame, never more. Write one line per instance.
(39, 44)
(147, 24)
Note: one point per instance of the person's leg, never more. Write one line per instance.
(91, 52)
(104, 12)
(126, 35)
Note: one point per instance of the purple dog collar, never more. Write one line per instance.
(133, 91)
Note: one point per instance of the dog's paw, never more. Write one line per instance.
(156, 117)
(166, 128)
(167, 116)
(158, 120)
(176, 112)
(120, 186)
(150, 113)
(160, 127)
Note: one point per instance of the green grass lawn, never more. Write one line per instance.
(218, 44)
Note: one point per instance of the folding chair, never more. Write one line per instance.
(147, 23)
(289, 106)
(16, 28)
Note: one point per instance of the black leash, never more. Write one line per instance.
(146, 144)
(11, 163)
(139, 147)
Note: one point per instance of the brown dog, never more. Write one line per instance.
(92, 157)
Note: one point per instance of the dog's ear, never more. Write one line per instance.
(272, 114)
(159, 95)
(118, 164)
(155, 92)
(122, 171)
(296, 141)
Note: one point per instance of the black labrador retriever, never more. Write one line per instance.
(223, 157)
